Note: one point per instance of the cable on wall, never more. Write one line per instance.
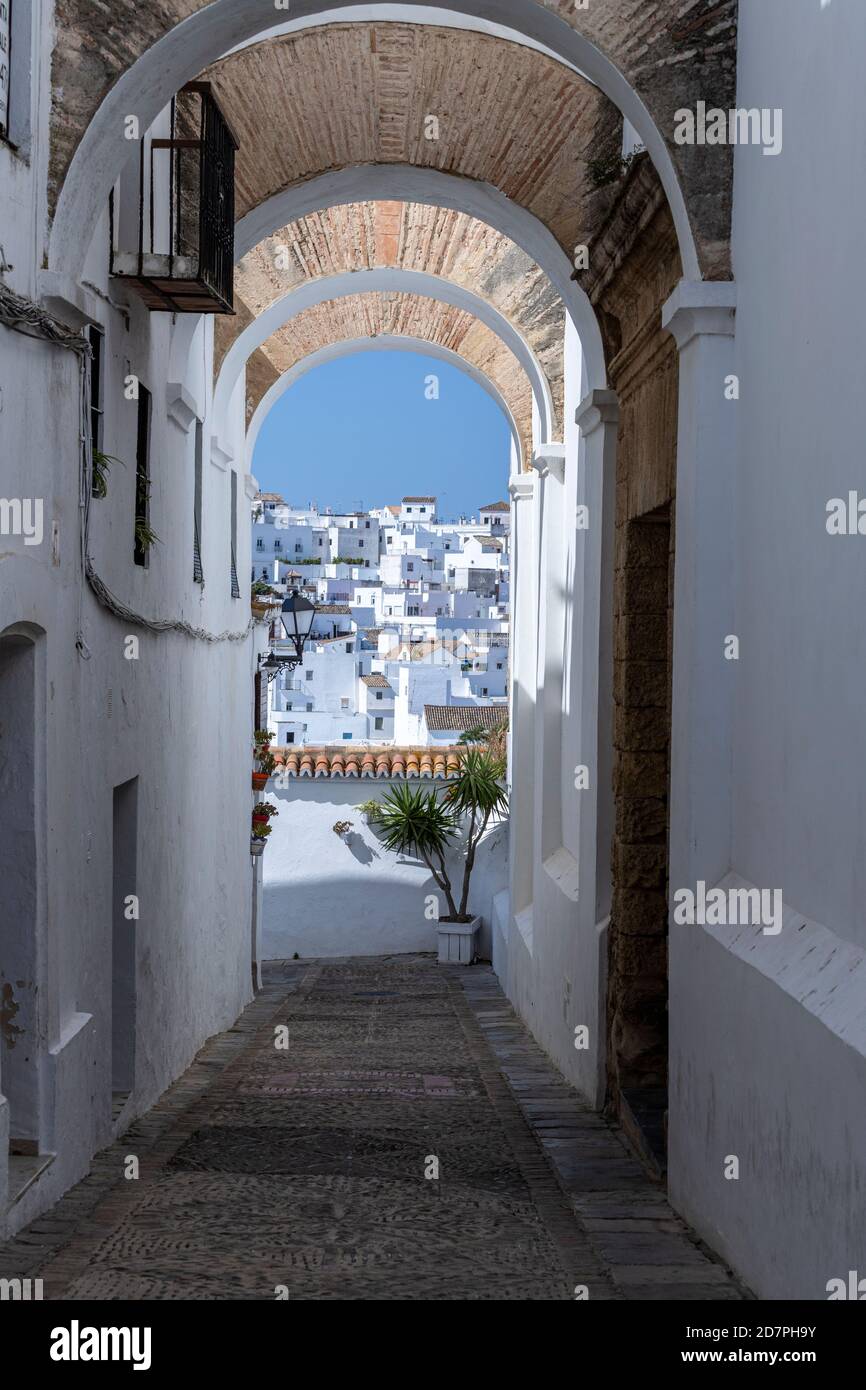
(22, 315)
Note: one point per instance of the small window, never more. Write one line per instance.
(290, 738)
(379, 723)
(366, 525)
(142, 533)
(320, 541)
(298, 548)
(361, 544)
(388, 540)
(422, 510)
(278, 545)
(349, 735)
(410, 566)
(260, 545)
(350, 646)
(308, 675)
(96, 339)
(378, 694)
(344, 702)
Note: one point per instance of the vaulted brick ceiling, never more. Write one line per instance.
(354, 94)
(342, 94)
(378, 314)
(412, 236)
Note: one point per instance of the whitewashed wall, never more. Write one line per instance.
(178, 718)
(326, 897)
(768, 1046)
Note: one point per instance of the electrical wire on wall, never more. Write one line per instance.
(21, 315)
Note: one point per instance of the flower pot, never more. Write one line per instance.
(260, 781)
(457, 941)
(257, 847)
(260, 820)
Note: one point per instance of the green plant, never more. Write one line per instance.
(267, 762)
(101, 469)
(261, 589)
(145, 536)
(262, 736)
(417, 821)
(265, 808)
(370, 809)
(610, 168)
(261, 832)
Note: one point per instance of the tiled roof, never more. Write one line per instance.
(393, 509)
(269, 497)
(496, 507)
(444, 718)
(369, 762)
(338, 637)
(377, 681)
(419, 499)
(334, 608)
(373, 632)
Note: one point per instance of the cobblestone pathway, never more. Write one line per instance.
(306, 1169)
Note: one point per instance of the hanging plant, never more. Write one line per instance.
(101, 469)
(145, 536)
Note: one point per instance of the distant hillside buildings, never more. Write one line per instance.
(410, 639)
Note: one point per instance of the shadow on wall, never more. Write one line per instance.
(336, 895)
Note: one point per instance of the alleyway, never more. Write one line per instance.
(304, 1170)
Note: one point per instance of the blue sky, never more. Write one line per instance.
(360, 432)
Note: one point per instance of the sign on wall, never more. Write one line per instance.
(5, 7)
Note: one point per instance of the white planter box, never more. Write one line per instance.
(457, 942)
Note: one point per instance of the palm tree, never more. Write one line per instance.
(417, 821)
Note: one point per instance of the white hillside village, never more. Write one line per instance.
(409, 645)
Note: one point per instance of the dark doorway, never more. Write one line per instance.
(19, 851)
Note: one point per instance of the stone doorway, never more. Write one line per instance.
(638, 965)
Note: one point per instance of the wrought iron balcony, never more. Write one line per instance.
(184, 259)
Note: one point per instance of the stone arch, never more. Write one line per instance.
(407, 183)
(168, 53)
(390, 343)
(389, 280)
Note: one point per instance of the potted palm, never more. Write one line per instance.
(420, 822)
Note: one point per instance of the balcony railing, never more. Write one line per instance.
(184, 259)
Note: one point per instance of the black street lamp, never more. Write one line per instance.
(297, 618)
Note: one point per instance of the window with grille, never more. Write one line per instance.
(197, 568)
(5, 65)
(236, 588)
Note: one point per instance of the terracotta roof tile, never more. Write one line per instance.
(377, 681)
(444, 718)
(356, 763)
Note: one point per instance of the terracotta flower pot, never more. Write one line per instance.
(260, 781)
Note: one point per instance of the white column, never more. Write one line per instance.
(524, 609)
(701, 318)
(549, 463)
(598, 419)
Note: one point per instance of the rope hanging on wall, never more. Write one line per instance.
(22, 315)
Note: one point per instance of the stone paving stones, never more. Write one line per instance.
(310, 1169)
